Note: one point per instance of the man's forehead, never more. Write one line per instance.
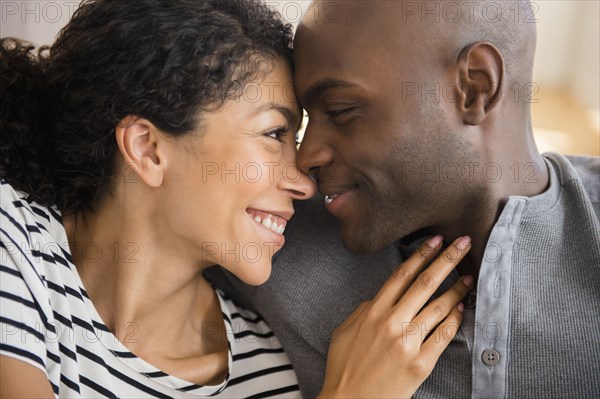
(358, 37)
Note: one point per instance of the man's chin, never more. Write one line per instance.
(362, 242)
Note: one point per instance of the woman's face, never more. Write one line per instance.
(231, 187)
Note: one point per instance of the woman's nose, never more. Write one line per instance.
(298, 184)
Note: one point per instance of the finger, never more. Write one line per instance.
(401, 279)
(438, 310)
(438, 341)
(429, 280)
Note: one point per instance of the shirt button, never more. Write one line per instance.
(470, 301)
(490, 357)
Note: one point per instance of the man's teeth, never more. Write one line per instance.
(329, 198)
(270, 224)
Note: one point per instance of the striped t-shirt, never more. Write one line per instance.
(48, 321)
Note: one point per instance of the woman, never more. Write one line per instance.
(154, 140)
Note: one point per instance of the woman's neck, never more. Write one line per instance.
(146, 288)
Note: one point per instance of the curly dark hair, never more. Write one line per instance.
(167, 61)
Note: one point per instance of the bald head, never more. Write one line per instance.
(436, 31)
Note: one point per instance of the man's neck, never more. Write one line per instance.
(479, 216)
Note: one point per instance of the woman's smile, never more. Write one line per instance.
(268, 220)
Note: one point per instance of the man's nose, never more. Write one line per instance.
(314, 151)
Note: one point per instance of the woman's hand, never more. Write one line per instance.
(389, 345)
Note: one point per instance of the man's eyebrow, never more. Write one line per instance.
(317, 89)
(293, 117)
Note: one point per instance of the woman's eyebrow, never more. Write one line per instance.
(292, 116)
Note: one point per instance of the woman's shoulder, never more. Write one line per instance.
(25, 301)
(32, 232)
(34, 247)
(25, 215)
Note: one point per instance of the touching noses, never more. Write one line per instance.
(299, 185)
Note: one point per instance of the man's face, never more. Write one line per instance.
(372, 147)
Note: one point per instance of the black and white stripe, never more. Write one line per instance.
(48, 321)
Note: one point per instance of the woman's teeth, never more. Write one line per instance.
(270, 224)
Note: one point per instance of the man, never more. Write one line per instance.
(419, 124)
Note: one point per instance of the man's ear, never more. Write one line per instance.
(480, 69)
(138, 140)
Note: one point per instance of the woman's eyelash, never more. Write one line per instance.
(277, 134)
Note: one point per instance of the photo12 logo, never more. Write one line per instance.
(36, 11)
(316, 11)
(469, 11)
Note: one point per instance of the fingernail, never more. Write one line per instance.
(435, 241)
(463, 242)
(468, 281)
(460, 307)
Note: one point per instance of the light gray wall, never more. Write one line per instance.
(568, 50)
(35, 21)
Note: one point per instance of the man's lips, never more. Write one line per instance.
(335, 198)
(334, 191)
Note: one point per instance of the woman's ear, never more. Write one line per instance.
(139, 142)
(480, 70)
